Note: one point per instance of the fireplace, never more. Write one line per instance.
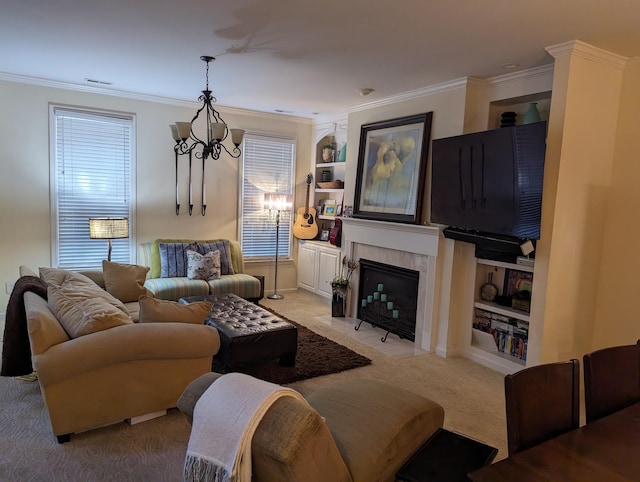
(412, 247)
(388, 298)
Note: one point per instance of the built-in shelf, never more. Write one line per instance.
(502, 310)
(502, 264)
(329, 164)
(327, 172)
(499, 334)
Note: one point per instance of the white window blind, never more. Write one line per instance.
(268, 166)
(92, 168)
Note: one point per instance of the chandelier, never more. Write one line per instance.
(216, 131)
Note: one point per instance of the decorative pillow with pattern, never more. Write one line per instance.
(226, 264)
(203, 266)
(173, 260)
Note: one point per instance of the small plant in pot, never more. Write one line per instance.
(341, 287)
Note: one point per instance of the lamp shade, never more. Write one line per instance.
(108, 228)
(277, 202)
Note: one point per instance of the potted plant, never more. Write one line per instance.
(341, 288)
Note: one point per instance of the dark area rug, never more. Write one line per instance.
(316, 356)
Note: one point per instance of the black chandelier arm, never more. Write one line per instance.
(196, 140)
(235, 152)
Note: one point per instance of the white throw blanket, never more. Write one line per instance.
(224, 421)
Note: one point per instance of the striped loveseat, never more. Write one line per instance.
(176, 287)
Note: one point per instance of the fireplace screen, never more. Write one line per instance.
(388, 298)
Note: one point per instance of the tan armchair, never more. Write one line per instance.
(115, 374)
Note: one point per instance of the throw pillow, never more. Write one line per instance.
(80, 286)
(81, 316)
(173, 260)
(125, 281)
(153, 310)
(226, 263)
(203, 266)
(57, 276)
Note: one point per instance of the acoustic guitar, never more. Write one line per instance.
(306, 226)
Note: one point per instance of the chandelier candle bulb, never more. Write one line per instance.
(217, 130)
(174, 133)
(236, 136)
(184, 129)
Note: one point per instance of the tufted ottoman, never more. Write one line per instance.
(248, 332)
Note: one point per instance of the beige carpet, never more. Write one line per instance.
(472, 396)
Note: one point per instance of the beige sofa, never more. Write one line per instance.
(115, 374)
(356, 430)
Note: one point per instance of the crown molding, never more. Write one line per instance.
(333, 124)
(56, 84)
(411, 95)
(543, 70)
(589, 52)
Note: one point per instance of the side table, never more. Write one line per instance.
(446, 457)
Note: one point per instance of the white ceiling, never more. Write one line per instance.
(305, 58)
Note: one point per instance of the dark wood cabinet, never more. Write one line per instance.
(490, 181)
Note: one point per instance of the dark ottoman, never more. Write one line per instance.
(248, 332)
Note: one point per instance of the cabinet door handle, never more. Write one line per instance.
(463, 195)
(483, 200)
(473, 184)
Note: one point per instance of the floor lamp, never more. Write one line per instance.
(278, 203)
(108, 228)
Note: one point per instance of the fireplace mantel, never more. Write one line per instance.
(411, 238)
(406, 245)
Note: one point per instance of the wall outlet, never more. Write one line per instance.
(9, 288)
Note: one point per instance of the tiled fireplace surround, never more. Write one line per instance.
(408, 246)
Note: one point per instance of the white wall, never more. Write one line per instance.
(24, 185)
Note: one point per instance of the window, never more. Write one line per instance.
(267, 166)
(92, 176)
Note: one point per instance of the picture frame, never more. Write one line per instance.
(329, 210)
(391, 170)
(324, 235)
(516, 281)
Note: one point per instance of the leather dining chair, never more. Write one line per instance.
(542, 402)
(611, 380)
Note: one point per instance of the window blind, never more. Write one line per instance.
(267, 166)
(92, 169)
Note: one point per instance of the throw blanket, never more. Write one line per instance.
(224, 421)
(16, 351)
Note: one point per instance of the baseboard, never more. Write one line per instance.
(146, 416)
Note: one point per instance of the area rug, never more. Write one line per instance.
(316, 356)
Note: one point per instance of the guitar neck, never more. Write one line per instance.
(306, 203)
